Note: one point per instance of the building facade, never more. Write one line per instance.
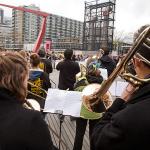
(25, 27)
(63, 32)
(5, 36)
(1, 16)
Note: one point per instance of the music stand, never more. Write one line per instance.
(61, 119)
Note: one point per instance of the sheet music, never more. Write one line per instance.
(70, 101)
(112, 88)
(117, 88)
(120, 87)
(104, 73)
(72, 105)
(67, 101)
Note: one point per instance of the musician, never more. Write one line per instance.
(39, 79)
(126, 124)
(92, 76)
(45, 64)
(20, 128)
(107, 62)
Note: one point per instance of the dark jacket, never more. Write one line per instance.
(108, 63)
(67, 77)
(47, 65)
(125, 126)
(21, 128)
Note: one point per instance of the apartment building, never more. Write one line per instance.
(5, 36)
(25, 27)
(63, 32)
(1, 16)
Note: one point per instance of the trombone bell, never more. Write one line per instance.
(89, 97)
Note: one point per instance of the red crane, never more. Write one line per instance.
(43, 26)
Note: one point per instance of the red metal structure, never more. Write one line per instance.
(43, 26)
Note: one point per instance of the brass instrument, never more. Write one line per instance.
(121, 70)
(37, 87)
(83, 68)
(82, 72)
(32, 103)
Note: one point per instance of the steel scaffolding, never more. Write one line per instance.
(98, 27)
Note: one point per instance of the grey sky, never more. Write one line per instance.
(130, 14)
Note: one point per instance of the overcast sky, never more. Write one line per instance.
(130, 14)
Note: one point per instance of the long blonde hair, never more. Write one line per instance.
(13, 72)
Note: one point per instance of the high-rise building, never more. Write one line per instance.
(1, 16)
(5, 36)
(25, 27)
(64, 32)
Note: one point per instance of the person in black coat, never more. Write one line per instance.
(68, 70)
(20, 128)
(126, 124)
(46, 63)
(107, 62)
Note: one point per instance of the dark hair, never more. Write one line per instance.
(34, 60)
(106, 51)
(41, 53)
(68, 53)
(13, 72)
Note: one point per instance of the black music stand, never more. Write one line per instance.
(61, 119)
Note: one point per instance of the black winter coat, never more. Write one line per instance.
(47, 65)
(108, 63)
(125, 126)
(21, 128)
(67, 77)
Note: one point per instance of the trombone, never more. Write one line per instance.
(88, 102)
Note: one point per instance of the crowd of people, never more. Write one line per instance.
(124, 125)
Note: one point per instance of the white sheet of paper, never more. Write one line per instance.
(67, 101)
(72, 105)
(112, 88)
(104, 73)
(117, 88)
(120, 87)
